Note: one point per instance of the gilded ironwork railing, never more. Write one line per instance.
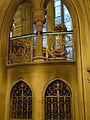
(56, 45)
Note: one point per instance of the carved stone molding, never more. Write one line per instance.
(20, 51)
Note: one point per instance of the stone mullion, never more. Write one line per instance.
(29, 19)
(50, 24)
(23, 18)
(62, 12)
(26, 18)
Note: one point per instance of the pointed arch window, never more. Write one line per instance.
(58, 101)
(55, 45)
(21, 101)
(62, 16)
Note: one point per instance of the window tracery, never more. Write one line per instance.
(21, 101)
(58, 101)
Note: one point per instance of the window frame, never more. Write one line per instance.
(25, 93)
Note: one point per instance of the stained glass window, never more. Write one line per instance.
(21, 101)
(62, 16)
(58, 101)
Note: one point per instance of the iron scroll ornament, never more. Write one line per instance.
(21, 101)
(58, 101)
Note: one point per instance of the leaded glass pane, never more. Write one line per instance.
(34, 30)
(57, 20)
(21, 102)
(68, 25)
(70, 52)
(67, 19)
(57, 3)
(34, 40)
(58, 101)
(44, 27)
(44, 41)
(62, 16)
(44, 37)
(57, 11)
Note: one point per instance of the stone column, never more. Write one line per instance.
(26, 18)
(39, 18)
(50, 23)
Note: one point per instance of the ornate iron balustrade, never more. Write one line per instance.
(57, 45)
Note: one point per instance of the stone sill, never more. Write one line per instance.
(43, 62)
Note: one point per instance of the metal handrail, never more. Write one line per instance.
(43, 33)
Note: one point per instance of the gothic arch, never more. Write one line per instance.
(6, 24)
(58, 100)
(8, 95)
(21, 100)
(52, 80)
(7, 20)
(18, 80)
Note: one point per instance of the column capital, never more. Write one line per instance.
(39, 16)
